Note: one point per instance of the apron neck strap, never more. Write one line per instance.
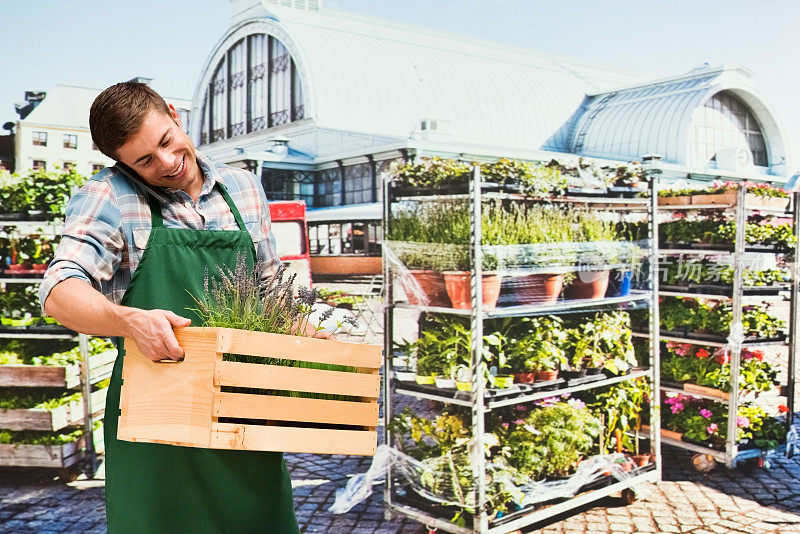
(158, 220)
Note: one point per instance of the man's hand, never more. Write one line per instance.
(77, 305)
(152, 332)
(309, 330)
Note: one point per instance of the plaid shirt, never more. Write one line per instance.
(108, 223)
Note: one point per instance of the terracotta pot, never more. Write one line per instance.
(525, 378)
(627, 465)
(588, 285)
(458, 289)
(542, 288)
(433, 288)
(39, 267)
(641, 460)
(546, 376)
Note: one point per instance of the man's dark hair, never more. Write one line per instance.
(118, 113)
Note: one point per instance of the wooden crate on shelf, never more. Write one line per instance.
(182, 403)
(752, 200)
(52, 419)
(55, 376)
(52, 456)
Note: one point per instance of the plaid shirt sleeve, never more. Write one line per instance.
(92, 244)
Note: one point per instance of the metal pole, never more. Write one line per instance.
(736, 336)
(86, 384)
(655, 330)
(794, 323)
(477, 454)
(388, 336)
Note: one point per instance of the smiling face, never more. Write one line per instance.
(162, 154)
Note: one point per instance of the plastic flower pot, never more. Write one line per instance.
(593, 371)
(464, 386)
(458, 289)
(541, 288)
(405, 376)
(445, 382)
(588, 285)
(571, 374)
(503, 381)
(423, 380)
(433, 288)
(619, 285)
(546, 376)
(525, 378)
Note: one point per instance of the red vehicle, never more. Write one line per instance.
(291, 233)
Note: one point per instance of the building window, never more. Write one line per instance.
(335, 238)
(255, 86)
(68, 165)
(39, 165)
(329, 188)
(97, 167)
(39, 138)
(726, 122)
(282, 184)
(358, 183)
(70, 141)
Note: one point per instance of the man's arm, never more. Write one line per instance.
(96, 315)
(91, 250)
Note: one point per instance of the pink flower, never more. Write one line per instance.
(677, 407)
(519, 422)
(712, 428)
(702, 353)
(576, 403)
(743, 421)
(706, 413)
(504, 425)
(520, 407)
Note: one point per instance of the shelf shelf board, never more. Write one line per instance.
(711, 343)
(669, 250)
(20, 280)
(722, 207)
(464, 398)
(519, 311)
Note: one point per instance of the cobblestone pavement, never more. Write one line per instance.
(745, 500)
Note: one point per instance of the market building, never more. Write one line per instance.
(53, 130)
(323, 101)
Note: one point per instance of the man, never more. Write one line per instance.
(138, 239)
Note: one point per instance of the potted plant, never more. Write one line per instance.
(600, 249)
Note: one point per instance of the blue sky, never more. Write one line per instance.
(95, 43)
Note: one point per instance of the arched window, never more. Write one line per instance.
(255, 86)
(727, 123)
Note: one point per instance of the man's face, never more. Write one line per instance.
(162, 154)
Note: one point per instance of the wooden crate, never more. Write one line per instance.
(54, 376)
(675, 201)
(752, 201)
(55, 419)
(182, 403)
(53, 456)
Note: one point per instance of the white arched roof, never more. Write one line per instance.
(370, 75)
(656, 118)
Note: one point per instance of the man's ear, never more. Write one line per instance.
(174, 115)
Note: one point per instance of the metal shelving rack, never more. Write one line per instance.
(479, 402)
(87, 380)
(731, 455)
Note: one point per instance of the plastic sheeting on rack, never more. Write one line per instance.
(437, 479)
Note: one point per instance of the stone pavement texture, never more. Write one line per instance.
(745, 500)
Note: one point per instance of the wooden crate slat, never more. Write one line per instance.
(169, 401)
(288, 439)
(54, 456)
(33, 376)
(250, 406)
(254, 375)
(299, 348)
(51, 420)
(53, 376)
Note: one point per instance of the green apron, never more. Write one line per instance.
(153, 488)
